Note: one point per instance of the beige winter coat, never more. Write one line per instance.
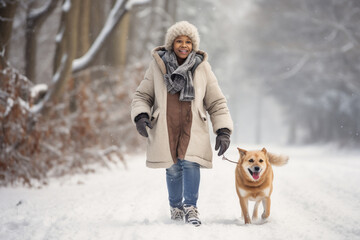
(151, 98)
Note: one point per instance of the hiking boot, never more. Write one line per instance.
(177, 214)
(192, 215)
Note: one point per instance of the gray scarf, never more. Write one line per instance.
(179, 78)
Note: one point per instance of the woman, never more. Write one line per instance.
(169, 108)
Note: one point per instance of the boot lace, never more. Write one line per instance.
(192, 216)
(177, 213)
(192, 212)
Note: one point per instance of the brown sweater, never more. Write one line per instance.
(179, 119)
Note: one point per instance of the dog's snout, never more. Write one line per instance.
(257, 168)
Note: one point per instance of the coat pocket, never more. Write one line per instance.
(155, 115)
(202, 116)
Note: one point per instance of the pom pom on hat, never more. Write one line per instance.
(182, 28)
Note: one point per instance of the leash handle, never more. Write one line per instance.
(225, 158)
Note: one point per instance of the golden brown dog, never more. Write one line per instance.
(254, 177)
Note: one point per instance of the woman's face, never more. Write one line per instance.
(182, 47)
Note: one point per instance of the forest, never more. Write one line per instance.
(68, 70)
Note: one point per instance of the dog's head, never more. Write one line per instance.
(253, 163)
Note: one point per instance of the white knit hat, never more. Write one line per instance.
(182, 28)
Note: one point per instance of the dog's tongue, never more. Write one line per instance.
(256, 175)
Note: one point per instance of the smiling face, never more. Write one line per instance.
(182, 47)
(254, 164)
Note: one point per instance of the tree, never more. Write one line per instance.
(34, 19)
(116, 51)
(66, 48)
(65, 62)
(7, 12)
(116, 14)
(309, 64)
(47, 137)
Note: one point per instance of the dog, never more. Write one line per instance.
(254, 178)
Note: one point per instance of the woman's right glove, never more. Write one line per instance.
(142, 120)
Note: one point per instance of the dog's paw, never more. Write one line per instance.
(247, 221)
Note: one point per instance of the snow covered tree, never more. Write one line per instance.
(65, 62)
(310, 65)
(40, 132)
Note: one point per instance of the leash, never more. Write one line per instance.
(225, 158)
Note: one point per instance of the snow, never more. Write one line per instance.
(24, 105)
(35, 90)
(37, 107)
(66, 6)
(60, 35)
(9, 106)
(34, 13)
(130, 4)
(2, 19)
(60, 69)
(316, 196)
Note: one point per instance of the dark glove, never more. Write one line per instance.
(222, 140)
(142, 120)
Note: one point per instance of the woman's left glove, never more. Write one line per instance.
(222, 140)
(142, 120)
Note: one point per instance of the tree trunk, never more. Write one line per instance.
(117, 44)
(34, 19)
(65, 50)
(122, 35)
(84, 28)
(83, 45)
(97, 20)
(7, 12)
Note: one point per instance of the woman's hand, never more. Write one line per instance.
(222, 140)
(142, 120)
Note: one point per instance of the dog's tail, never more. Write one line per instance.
(277, 160)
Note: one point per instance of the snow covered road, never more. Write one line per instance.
(316, 196)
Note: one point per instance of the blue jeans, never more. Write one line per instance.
(183, 180)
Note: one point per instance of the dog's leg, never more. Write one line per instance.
(245, 211)
(266, 203)
(255, 212)
(239, 195)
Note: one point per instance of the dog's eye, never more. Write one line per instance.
(261, 160)
(251, 160)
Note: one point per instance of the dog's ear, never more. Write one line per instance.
(264, 150)
(242, 152)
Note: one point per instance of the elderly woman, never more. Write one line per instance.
(169, 109)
